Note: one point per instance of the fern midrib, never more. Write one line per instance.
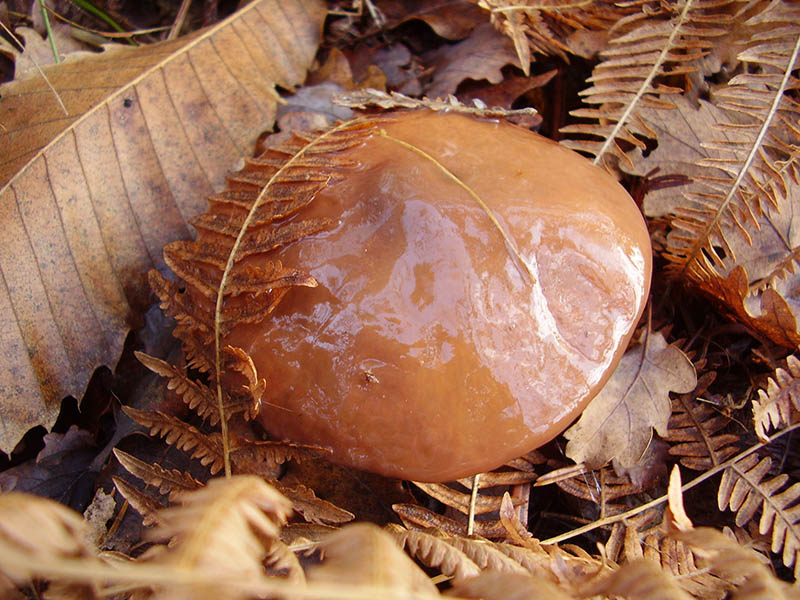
(226, 274)
(612, 136)
(773, 110)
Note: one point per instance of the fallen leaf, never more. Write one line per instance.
(89, 198)
(481, 56)
(451, 19)
(618, 422)
(37, 49)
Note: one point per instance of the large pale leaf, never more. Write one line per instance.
(89, 198)
(618, 422)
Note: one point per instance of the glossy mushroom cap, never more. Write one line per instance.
(431, 350)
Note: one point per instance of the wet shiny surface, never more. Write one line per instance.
(428, 351)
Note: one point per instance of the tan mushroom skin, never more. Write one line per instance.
(431, 350)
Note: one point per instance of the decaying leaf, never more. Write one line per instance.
(618, 421)
(778, 404)
(89, 198)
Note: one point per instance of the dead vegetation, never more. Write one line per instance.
(692, 103)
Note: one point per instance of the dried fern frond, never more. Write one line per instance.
(747, 488)
(38, 530)
(434, 551)
(363, 554)
(225, 527)
(639, 580)
(414, 516)
(676, 558)
(460, 500)
(168, 481)
(696, 434)
(740, 566)
(146, 506)
(312, 509)
(639, 70)
(778, 405)
(732, 233)
(197, 396)
(509, 586)
(600, 488)
(546, 27)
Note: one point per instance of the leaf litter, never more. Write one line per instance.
(752, 277)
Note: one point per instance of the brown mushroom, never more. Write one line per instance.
(476, 290)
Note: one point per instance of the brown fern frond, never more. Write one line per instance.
(417, 517)
(696, 434)
(600, 488)
(638, 71)
(38, 529)
(676, 558)
(778, 405)
(313, 509)
(433, 551)
(205, 447)
(251, 456)
(168, 481)
(638, 579)
(362, 553)
(226, 526)
(199, 397)
(740, 566)
(545, 27)
(461, 500)
(141, 503)
(510, 586)
(747, 488)
(484, 554)
(744, 184)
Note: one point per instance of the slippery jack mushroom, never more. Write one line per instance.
(478, 287)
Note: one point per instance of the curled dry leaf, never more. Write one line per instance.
(618, 422)
(89, 198)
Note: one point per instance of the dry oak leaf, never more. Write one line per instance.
(618, 422)
(89, 198)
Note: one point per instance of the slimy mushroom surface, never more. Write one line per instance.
(476, 290)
